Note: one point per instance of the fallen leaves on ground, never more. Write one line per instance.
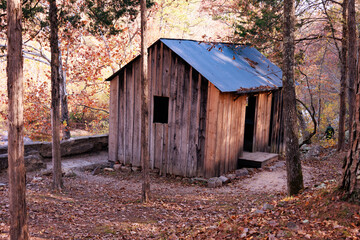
(108, 207)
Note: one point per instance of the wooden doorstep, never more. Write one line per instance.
(256, 159)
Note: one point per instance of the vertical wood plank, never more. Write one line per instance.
(166, 71)
(268, 122)
(235, 139)
(172, 148)
(113, 119)
(255, 139)
(259, 120)
(158, 131)
(229, 143)
(129, 114)
(171, 123)
(151, 64)
(264, 122)
(122, 78)
(201, 149)
(165, 133)
(125, 114)
(159, 66)
(194, 106)
(179, 116)
(185, 122)
(137, 116)
(242, 105)
(165, 92)
(220, 136)
(211, 130)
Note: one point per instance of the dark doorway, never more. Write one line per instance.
(249, 123)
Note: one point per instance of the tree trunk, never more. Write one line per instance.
(293, 163)
(16, 169)
(349, 181)
(352, 55)
(55, 97)
(343, 58)
(145, 155)
(63, 99)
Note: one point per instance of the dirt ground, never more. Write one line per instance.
(108, 206)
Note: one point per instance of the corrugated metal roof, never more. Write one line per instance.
(231, 68)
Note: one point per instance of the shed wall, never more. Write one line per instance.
(204, 135)
(224, 131)
(176, 147)
(277, 125)
(262, 122)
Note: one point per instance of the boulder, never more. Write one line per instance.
(34, 162)
(136, 169)
(125, 168)
(224, 179)
(231, 176)
(198, 180)
(241, 172)
(214, 182)
(117, 167)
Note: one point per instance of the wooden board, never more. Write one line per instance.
(114, 119)
(121, 102)
(201, 148)
(211, 130)
(129, 123)
(136, 145)
(257, 159)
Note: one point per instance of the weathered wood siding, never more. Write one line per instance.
(113, 119)
(262, 122)
(225, 123)
(204, 135)
(176, 147)
(277, 125)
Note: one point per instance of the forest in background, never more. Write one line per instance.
(89, 58)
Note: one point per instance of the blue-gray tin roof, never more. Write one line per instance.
(231, 68)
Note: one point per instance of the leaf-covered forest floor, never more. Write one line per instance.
(108, 206)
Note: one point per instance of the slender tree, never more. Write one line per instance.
(16, 169)
(352, 162)
(352, 74)
(63, 99)
(293, 163)
(55, 97)
(145, 155)
(343, 70)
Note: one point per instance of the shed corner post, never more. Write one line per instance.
(113, 119)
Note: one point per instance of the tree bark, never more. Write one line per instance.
(343, 72)
(63, 99)
(55, 97)
(16, 168)
(145, 155)
(352, 74)
(349, 182)
(293, 163)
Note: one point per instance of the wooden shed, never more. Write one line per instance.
(209, 103)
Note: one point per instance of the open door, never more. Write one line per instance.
(249, 123)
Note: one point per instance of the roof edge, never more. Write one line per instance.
(159, 39)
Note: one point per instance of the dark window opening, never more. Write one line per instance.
(161, 109)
